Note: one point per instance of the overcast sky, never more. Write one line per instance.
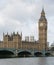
(23, 16)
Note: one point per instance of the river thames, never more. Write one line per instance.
(28, 61)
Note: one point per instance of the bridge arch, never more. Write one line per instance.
(6, 53)
(24, 54)
(47, 54)
(38, 54)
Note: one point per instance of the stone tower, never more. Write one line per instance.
(42, 25)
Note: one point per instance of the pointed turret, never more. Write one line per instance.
(43, 12)
(42, 17)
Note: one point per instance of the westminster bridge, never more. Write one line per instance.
(12, 52)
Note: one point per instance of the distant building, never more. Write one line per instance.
(52, 45)
(32, 38)
(27, 38)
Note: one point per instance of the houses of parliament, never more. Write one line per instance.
(15, 39)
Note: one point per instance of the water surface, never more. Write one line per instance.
(28, 61)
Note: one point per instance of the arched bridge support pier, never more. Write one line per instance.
(24, 53)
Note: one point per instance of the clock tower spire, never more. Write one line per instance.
(42, 26)
(42, 13)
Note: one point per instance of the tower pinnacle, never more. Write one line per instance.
(42, 17)
(43, 13)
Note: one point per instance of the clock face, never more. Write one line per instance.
(41, 24)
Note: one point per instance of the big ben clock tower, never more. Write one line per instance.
(42, 25)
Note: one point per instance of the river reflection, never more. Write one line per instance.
(42, 61)
(28, 61)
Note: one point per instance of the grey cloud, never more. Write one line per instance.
(23, 15)
(30, 1)
(49, 1)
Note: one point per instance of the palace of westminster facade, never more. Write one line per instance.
(15, 40)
